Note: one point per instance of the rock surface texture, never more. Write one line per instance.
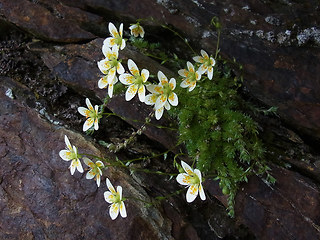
(49, 51)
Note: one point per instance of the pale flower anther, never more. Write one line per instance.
(92, 115)
(71, 154)
(136, 30)
(162, 95)
(193, 180)
(95, 171)
(207, 64)
(190, 77)
(116, 38)
(117, 202)
(135, 81)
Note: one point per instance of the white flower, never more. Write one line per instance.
(190, 77)
(91, 114)
(136, 30)
(115, 198)
(135, 81)
(103, 83)
(116, 39)
(193, 180)
(162, 94)
(95, 170)
(71, 154)
(110, 65)
(207, 64)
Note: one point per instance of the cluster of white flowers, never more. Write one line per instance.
(71, 154)
(95, 172)
(161, 96)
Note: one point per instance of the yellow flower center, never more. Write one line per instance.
(194, 179)
(167, 89)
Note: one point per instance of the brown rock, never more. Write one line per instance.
(277, 43)
(39, 199)
(79, 57)
(286, 210)
(60, 24)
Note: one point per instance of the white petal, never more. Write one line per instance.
(110, 187)
(204, 54)
(121, 29)
(142, 32)
(87, 162)
(114, 211)
(113, 30)
(192, 193)
(110, 90)
(133, 67)
(212, 61)
(105, 49)
(123, 211)
(75, 150)
(145, 74)
(150, 99)
(88, 124)
(72, 168)
(172, 83)
(84, 111)
(198, 75)
(167, 106)
(90, 174)
(111, 75)
(198, 59)
(96, 124)
(151, 88)
(119, 191)
(186, 167)
(68, 144)
(99, 164)
(202, 69)
(183, 179)
(98, 180)
(162, 78)
(173, 99)
(160, 101)
(126, 79)
(190, 67)
(89, 105)
(201, 191)
(79, 166)
(142, 93)
(103, 82)
(120, 68)
(131, 92)
(183, 72)
(108, 197)
(192, 86)
(115, 51)
(210, 72)
(159, 113)
(123, 44)
(185, 83)
(109, 42)
(198, 173)
(103, 66)
(65, 155)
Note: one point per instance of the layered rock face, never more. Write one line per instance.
(47, 75)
